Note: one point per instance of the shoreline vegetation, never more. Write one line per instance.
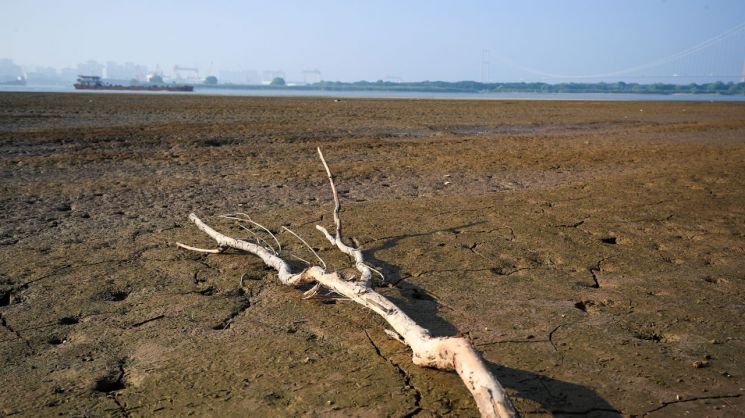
(718, 87)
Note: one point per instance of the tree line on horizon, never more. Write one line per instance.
(717, 87)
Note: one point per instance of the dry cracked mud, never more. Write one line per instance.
(594, 252)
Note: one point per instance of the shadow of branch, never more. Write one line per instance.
(555, 396)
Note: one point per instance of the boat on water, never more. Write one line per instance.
(93, 82)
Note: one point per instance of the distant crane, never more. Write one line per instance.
(179, 71)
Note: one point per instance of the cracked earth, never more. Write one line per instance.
(594, 254)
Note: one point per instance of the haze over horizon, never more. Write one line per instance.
(488, 41)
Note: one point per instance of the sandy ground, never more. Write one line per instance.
(594, 253)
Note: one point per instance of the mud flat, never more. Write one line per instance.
(594, 252)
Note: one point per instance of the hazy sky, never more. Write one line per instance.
(355, 40)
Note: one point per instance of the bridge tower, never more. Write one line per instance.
(484, 65)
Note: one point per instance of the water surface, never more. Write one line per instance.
(206, 91)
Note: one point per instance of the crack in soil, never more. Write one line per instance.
(510, 342)
(551, 339)
(500, 272)
(491, 231)
(122, 408)
(596, 284)
(245, 304)
(585, 411)
(652, 220)
(512, 232)
(572, 225)
(461, 211)
(597, 269)
(551, 336)
(404, 376)
(228, 321)
(696, 398)
(25, 285)
(7, 326)
(472, 248)
(422, 273)
(437, 299)
(141, 323)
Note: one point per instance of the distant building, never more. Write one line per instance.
(127, 71)
(91, 68)
(68, 74)
(43, 75)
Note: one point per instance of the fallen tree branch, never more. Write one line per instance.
(446, 353)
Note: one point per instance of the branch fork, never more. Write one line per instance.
(446, 353)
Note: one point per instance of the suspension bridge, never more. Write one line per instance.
(719, 58)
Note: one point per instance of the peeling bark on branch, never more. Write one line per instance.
(446, 353)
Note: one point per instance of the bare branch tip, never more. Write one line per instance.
(200, 250)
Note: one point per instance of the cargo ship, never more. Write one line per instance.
(93, 82)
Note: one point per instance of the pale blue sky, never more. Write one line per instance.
(414, 40)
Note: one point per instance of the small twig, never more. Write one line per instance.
(259, 240)
(312, 292)
(247, 218)
(200, 250)
(337, 205)
(301, 259)
(376, 271)
(306, 244)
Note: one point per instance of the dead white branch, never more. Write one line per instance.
(337, 205)
(359, 262)
(446, 353)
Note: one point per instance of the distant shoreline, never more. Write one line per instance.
(311, 92)
(472, 87)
